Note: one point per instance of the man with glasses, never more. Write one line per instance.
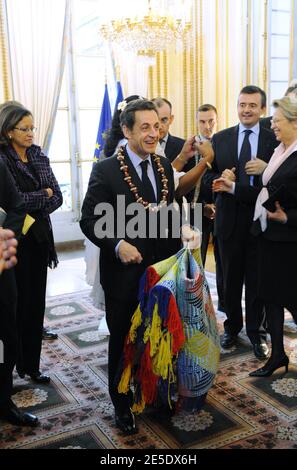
(171, 145)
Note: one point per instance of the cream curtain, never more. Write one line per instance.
(37, 36)
(133, 73)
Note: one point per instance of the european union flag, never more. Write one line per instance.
(119, 96)
(104, 124)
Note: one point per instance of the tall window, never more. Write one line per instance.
(280, 59)
(74, 136)
(59, 152)
(90, 65)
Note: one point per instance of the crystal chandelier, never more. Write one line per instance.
(146, 35)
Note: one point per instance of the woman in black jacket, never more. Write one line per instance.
(40, 192)
(276, 228)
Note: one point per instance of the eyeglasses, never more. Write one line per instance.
(26, 130)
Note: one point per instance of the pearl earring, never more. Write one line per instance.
(10, 136)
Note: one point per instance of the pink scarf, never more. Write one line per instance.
(278, 158)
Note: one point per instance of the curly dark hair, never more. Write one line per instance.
(115, 133)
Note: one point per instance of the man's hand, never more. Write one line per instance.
(255, 167)
(188, 151)
(128, 254)
(229, 174)
(190, 238)
(205, 149)
(8, 246)
(279, 215)
(222, 185)
(209, 211)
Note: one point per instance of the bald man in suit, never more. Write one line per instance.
(171, 144)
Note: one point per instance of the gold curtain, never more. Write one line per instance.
(5, 93)
(225, 52)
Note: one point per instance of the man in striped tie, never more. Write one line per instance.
(236, 149)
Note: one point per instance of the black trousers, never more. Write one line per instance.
(118, 318)
(275, 320)
(239, 263)
(8, 337)
(31, 275)
(219, 274)
(207, 231)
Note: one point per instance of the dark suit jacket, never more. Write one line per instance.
(44, 178)
(266, 122)
(277, 245)
(285, 175)
(11, 201)
(229, 209)
(173, 147)
(205, 193)
(106, 182)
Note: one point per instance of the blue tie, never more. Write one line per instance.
(147, 187)
(244, 157)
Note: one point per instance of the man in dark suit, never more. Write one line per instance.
(131, 174)
(207, 124)
(207, 118)
(11, 204)
(171, 144)
(241, 153)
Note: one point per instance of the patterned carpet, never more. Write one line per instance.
(75, 412)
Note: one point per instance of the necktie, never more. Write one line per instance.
(147, 187)
(198, 185)
(244, 157)
(162, 143)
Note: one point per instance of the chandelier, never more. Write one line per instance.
(146, 35)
